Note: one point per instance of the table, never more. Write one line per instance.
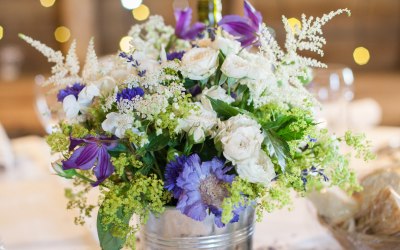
(33, 213)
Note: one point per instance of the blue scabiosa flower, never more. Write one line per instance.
(172, 172)
(203, 186)
(74, 90)
(92, 153)
(130, 93)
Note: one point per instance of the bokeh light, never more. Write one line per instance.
(62, 34)
(293, 22)
(131, 4)
(1, 32)
(361, 55)
(141, 13)
(124, 43)
(47, 3)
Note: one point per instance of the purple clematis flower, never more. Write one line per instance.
(74, 90)
(182, 29)
(244, 28)
(93, 151)
(201, 186)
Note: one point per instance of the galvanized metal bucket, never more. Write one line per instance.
(173, 230)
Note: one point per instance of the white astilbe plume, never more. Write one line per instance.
(289, 66)
(62, 73)
(91, 68)
(71, 61)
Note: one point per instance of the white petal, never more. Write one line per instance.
(71, 106)
(87, 94)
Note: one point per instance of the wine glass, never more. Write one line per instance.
(48, 109)
(333, 88)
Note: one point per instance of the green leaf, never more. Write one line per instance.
(107, 240)
(157, 142)
(222, 79)
(189, 83)
(223, 109)
(277, 147)
(68, 174)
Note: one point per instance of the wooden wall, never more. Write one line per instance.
(374, 24)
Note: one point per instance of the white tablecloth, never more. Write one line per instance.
(33, 211)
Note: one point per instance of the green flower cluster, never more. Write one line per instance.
(142, 196)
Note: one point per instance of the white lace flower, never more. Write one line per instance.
(117, 123)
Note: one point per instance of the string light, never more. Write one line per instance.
(47, 3)
(124, 43)
(62, 34)
(361, 55)
(1, 32)
(293, 22)
(141, 13)
(131, 4)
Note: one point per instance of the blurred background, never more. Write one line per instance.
(368, 43)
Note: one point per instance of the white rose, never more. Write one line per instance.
(117, 124)
(241, 142)
(226, 45)
(215, 92)
(260, 170)
(202, 118)
(235, 67)
(199, 63)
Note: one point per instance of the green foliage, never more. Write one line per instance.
(360, 144)
(77, 199)
(67, 174)
(58, 142)
(144, 194)
(242, 193)
(277, 147)
(223, 109)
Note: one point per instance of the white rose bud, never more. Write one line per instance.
(226, 45)
(196, 135)
(260, 170)
(199, 63)
(235, 67)
(215, 92)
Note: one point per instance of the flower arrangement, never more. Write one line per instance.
(207, 119)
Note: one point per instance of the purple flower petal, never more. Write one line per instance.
(83, 158)
(182, 29)
(183, 19)
(192, 32)
(104, 167)
(237, 26)
(251, 13)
